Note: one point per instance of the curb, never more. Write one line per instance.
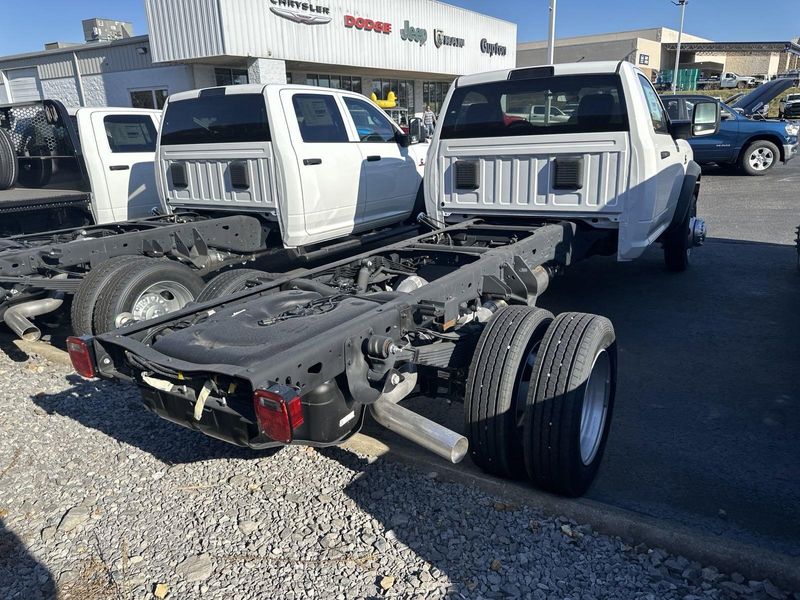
(727, 555)
(44, 350)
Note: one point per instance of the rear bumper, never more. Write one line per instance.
(235, 423)
(217, 421)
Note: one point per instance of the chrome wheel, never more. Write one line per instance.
(595, 407)
(158, 300)
(761, 158)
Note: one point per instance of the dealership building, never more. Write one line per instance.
(413, 48)
(654, 49)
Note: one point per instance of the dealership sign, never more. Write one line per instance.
(492, 49)
(306, 13)
(367, 24)
(414, 34)
(440, 39)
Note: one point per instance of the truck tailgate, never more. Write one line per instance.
(236, 175)
(542, 174)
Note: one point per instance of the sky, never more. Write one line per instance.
(26, 29)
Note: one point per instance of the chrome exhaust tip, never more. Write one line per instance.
(18, 317)
(414, 427)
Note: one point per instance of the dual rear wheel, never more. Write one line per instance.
(539, 398)
(127, 289)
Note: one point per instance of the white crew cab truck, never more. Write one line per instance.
(279, 173)
(67, 167)
(616, 164)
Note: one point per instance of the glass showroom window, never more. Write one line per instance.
(231, 76)
(433, 93)
(403, 88)
(148, 98)
(339, 82)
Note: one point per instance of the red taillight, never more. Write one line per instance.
(81, 356)
(279, 412)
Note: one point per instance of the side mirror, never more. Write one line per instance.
(680, 130)
(403, 139)
(705, 120)
(416, 131)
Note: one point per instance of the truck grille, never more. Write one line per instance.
(177, 172)
(569, 174)
(466, 175)
(239, 177)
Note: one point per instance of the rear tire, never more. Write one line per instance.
(232, 282)
(145, 290)
(497, 386)
(85, 299)
(570, 402)
(9, 169)
(759, 157)
(678, 244)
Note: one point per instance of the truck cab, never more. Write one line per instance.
(614, 160)
(316, 163)
(62, 168)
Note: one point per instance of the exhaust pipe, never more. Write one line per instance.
(18, 317)
(438, 439)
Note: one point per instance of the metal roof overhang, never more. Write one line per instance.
(735, 47)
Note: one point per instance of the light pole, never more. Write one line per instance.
(551, 38)
(682, 4)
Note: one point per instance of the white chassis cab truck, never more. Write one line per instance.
(617, 164)
(66, 167)
(281, 174)
(451, 313)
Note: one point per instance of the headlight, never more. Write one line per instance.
(792, 128)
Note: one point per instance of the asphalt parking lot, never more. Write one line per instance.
(707, 418)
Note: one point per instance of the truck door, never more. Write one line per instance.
(333, 183)
(669, 168)
(721, 146)
(392, 176)
(120, 162)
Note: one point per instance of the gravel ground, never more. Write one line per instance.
(99, 499)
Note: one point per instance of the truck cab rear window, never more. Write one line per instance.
(562, 104)
(217, 119)
(130, 133)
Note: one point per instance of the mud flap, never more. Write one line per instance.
(685, 199)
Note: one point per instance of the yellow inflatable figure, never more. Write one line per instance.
(390, 102)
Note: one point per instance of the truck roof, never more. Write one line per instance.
(578, 68)
(253, 88)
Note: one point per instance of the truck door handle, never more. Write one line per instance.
(373, 158)
(312, 161)
(665, 154)
(119, 167)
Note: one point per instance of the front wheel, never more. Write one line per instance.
(759, 157)
(569, 404)
(145, 290)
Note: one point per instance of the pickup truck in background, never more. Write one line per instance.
(789, 107)
(727, 80)
(451, 313)
(63, 168)
(753, 145)
(280, 173)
